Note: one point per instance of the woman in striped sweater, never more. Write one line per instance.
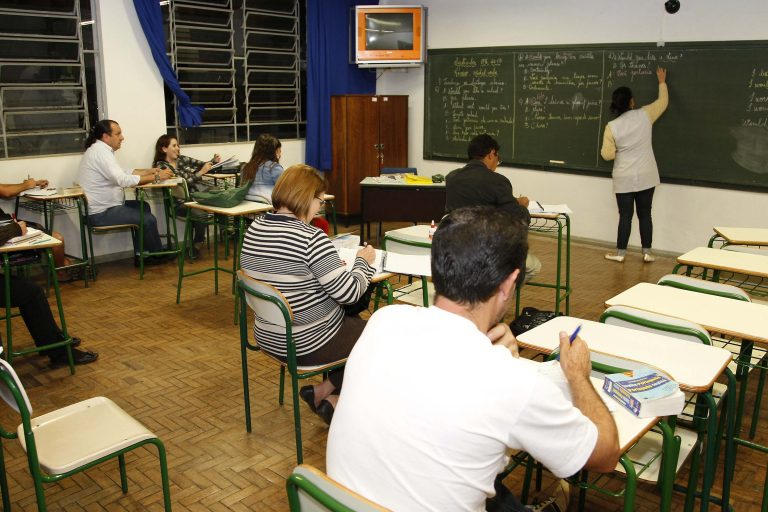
(282, 249)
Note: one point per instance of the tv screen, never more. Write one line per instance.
(389, 31)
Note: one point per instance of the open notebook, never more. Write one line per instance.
(387, 261)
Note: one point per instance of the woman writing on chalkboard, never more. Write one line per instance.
(627, 140)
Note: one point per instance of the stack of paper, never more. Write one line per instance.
(31, 234)
(40, 192)
(537, 207)
(229, 162)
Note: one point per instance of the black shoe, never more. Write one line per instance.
(78, 357)
(307, 393)
(75, 342)
(325, 411)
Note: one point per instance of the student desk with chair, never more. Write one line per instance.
(739, 236)
(695, 367)
(44, 243)
(172, 240)
(747, 270)
(239, 213)
(740, 319)
(61, 200)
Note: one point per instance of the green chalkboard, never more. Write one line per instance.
(548, 106)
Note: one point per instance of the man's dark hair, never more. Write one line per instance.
(481, 146)
(473, 250)
(97, 130)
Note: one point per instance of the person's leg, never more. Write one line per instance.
(336, 348)
(130, 214)
(532, 266)
(30, 298)
(644, 203)
(152, 242)
(625, 202)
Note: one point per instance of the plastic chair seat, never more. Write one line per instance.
(306, 369)
(78, 434)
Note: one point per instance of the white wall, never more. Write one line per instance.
(683, 215)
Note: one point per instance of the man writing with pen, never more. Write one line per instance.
(426, 416)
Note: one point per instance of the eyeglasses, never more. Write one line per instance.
(322, 201)
(498, 158)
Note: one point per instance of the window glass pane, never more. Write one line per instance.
(271, 60)
(272, 97)
(206, 135)
(37, 97)
(271, 41)
(272, 77)
(202, 16)
(39, 74)
(30, 121)
(87, 31)
(190, 76)
(201, 36)
(271, 5)
(268, 22)
(45, 144)
(21, 49)
(216, 97)
(24, 24)
(57, 6)
(203, 57)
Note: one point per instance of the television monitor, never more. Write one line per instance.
(389, 35)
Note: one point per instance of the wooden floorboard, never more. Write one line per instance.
(176, 368)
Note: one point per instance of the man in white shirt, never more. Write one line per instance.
(103, 181)
(434, 397)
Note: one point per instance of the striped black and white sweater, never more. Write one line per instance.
(301, 262)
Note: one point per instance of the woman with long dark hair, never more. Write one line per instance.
(263, 169)
(168, 156)
(627, 140)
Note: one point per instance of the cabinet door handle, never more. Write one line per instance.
(375, 146)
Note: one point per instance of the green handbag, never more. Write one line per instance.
(226, 198)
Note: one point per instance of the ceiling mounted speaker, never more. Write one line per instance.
(672, 6)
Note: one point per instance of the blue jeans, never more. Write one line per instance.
(129, 213)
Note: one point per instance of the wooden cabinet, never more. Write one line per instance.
(368, 133)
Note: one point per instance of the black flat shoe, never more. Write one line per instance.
(307, 393)
(325, 411)
(78, 357)
(75, 342)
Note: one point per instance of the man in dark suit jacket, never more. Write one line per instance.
(478, 184)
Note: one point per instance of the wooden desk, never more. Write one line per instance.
(43, 243)
(169, 210)
(694, 366)
(740, 236)
(392, 201)
(238, 212)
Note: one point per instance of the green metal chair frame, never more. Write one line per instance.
(705, 414)
(410, 243)
(86, 235)
(311, 490)
(14, 394)
(266, 301)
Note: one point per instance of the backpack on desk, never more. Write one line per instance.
(224, 198)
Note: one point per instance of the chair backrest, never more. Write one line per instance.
(12, 390)
(265, 300)
(310, 490)
(698, 285)
(398, 170)
(406, 246)
(641, 320)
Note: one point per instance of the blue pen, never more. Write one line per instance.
(575, 333)
(571, 338)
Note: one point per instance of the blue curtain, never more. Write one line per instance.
(329, 72)
(151, 19)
